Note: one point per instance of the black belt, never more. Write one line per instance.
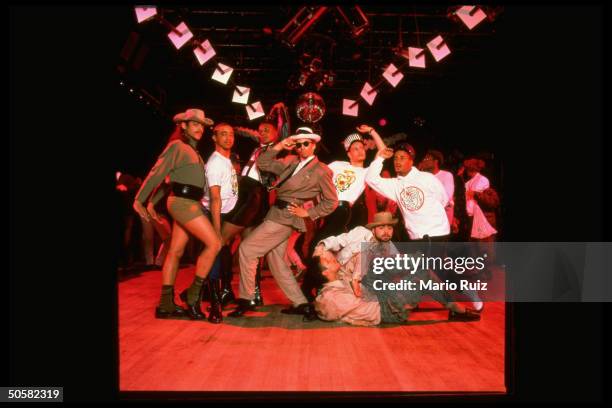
(281, 204)
(187, 191)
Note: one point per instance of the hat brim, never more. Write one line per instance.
(378, 224)
(178, 118)
(314, 137)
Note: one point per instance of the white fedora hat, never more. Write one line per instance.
(305, 133)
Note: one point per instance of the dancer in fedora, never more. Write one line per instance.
(302, 179)
(183, 164)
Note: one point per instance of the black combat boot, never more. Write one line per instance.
(215, 315)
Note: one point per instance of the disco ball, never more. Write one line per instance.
(310, 107)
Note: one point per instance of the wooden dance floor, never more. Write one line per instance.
(270, 351)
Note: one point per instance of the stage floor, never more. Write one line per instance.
(270, 351)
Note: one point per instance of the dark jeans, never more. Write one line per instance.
(393, 302)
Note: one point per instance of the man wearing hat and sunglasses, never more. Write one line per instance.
(302, 179)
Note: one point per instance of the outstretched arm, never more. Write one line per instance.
(380, 144)
(383, 186)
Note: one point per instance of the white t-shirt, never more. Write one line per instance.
(221, 172)
(477, 183)
(348, 179)
(421, 198)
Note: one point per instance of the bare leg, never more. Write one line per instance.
(291, 256)
(203, 230)
(229, 231)
(178, 241)
(167, 309)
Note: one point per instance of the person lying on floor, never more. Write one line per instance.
(337, 300)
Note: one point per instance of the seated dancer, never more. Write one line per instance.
(302, 178)
(344, 297)
(183, 164)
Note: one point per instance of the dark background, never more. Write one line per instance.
(538, 108)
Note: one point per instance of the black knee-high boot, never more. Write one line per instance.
(258, 299)
(227, 294)
(205, 292)
(215, 315)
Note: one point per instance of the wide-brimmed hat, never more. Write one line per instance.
(382, 218)
(305, 133)
(196, 115)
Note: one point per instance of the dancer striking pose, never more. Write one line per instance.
(183, 164)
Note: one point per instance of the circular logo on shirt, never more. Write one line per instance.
(412, 198)
(344, 180)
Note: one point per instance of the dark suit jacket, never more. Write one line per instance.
(314, 181)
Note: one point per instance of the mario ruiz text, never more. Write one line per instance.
(413, 263)
(430, 285)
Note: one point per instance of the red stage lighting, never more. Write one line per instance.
(293, 31)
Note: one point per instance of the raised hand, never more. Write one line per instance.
(386, 153)
(364, 128)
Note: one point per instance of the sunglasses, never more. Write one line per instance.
(300, 144)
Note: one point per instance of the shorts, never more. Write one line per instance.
(252, 205)
(183, 210)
